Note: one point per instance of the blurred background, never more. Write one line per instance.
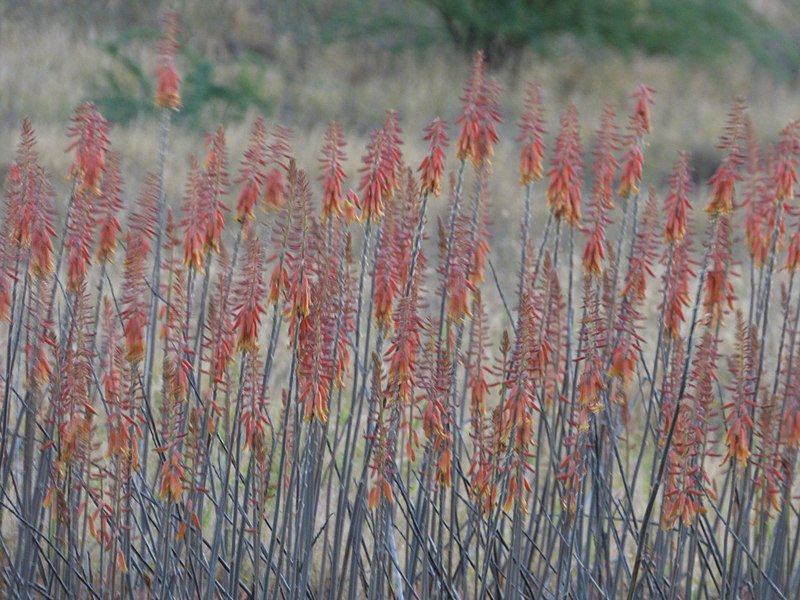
(302, 63)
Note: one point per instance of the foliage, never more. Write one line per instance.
(697, 29)
(125, 89)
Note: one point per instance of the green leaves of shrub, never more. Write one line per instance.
(124, 91)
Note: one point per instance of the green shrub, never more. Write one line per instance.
(125, 90)
(697, 29)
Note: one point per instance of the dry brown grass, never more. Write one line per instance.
(46, 69)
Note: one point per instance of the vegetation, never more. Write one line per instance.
(699, 29)
(284, 389)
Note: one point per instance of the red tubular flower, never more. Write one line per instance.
(677, 297)
(274, 189)
(480, 115)
(631, 171)
(723, 181)
(352, 208)
(638, 126)
(601, 199)
(314, 341)
(742, 405)
(594, 253)
(793, 253)
(785, 173)
(718, 287)
(89, 131)
(109, 206)
(135, 290)
(168, 82)
(724, 189)
(251, 173)
(564, 191)
(254, 416)
(641, 113)
(384, 415)
(333, 174)
(214, 187)
(192, 224)
(380, 167)
(644, 252)
(432, 166)
(531, 135)
(78, 242)
(677, 203)
(278, 155)
(249, 296)
(402, 353)
(29, 214)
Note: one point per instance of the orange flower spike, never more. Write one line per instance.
(29, 205)
(432, 166)
(623, 363)
(641, 113)
(110, 205)
(531, 160)
(168, 81)
(274, 189)
(732, 144)
(638, 126)
(566, 170)
(793, 253)
(352, 208)
(604, 170)
(251, 172)
(278, 282)
(333, 174)
(678, 290)
(134, 335)
(249, 294)
(677, 203)
(590, 387)
(213, 188)
(379, 171)
(41, 262)
(594, 253)
(480, 115)
(723, 184)
(631, 171)
(786, 170)
(193, 234)
(89, 131)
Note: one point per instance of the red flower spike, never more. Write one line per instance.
(531, 160)
(78, 242)
(109, 205)
(251, 173)
(638, 127)
(333, 174)
(381, 164)
(193, 220)
(601, 199)
(249, 296)
(168, 81)
(723, 181)
(432, 166)
(677, 204)
(785, 172)
(566, 170)
(480, 115)
(89, 131)
(213, 188)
